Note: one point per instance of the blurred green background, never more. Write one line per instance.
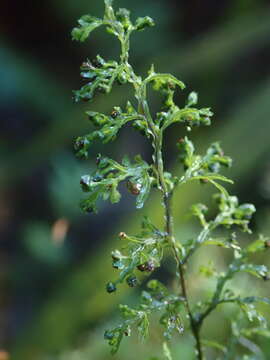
(55, 261)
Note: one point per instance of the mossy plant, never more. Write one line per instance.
(144, 252)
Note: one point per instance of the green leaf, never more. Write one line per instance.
(261, 331)
(161, 79)
(211, 179)
(123, 15)
(108, 128)
(245, 211)
(189, 116)
(81, 146)
(145, 183)
(143, 327)
(232, 213)
(171, 321)
(222, 243)
(87, 25)
(219, 187)
(98, 119)
(255, 299)
(144, 22)
(114, 338)
(187, 149)
(109, 13)
(215, 345)
(127, 312)
(199, 210)
(258, 245)
(157, 288)
(208, 271)
(204, 168)
(259, 271)
(142, 253)
(101, 76)
(115, 195)
(192, 99)
(247, 305)
(105, 181)
(148, 226)
(131, 317)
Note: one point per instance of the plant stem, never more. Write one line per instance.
(167, 197)
(195, 328)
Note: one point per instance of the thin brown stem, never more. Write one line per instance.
(194, 325)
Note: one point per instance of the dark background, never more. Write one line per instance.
(54, 261)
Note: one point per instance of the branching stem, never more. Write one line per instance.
(157, 135)
(167, 197)
(145, 254)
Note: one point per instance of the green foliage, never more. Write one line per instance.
(156, 300)
(105, 181)
(144, 252)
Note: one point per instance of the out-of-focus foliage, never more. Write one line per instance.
(222, 49)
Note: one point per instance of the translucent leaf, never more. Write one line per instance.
(144, 190)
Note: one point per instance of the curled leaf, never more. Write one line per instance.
(87, 24)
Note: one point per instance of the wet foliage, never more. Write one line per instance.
(142, 254)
